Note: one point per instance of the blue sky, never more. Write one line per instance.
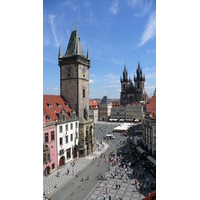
(116, 32)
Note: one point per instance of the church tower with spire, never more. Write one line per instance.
(132, 92)
(74, 88)
(139, 84)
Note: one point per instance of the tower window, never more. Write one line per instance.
(83, 93)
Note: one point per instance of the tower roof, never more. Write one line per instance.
(74, 45)
(60, 52)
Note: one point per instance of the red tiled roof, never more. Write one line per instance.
(152, 196)
(116, 104)
(93, 104)
(58, 104)
(151, 105)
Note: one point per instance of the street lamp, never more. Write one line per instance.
(73, 164)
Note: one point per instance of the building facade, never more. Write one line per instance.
(49, 147)
(104, 111)
(74, 88)
(93, 110)
(66, 128)
(118, 112)
(132, 92)
(149, 127)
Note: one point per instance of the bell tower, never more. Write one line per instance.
(74, 75)
(74, 88)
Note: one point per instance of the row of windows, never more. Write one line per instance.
(66, 127)
(66, 139)
(47, 137)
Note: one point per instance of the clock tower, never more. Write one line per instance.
(74, 88)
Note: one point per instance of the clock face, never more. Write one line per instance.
(83, 70)
(68, 69)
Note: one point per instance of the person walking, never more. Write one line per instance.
(109, 197)
(106, 190)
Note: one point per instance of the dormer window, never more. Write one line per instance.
(59, 105)
(48, 118)
(50, 105)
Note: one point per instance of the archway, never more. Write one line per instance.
(47, 171)
(62, 161)
(74, 152)
(130, 100)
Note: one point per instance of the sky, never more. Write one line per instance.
(116, 32)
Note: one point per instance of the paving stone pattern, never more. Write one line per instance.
(52, 183)
(127, 191)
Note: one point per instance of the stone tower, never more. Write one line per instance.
(139, 84)
(74, 88)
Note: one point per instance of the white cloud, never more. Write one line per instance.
(142, 6)
(151, 75)
(51, 20)
(112, 78)
(114, 9)
(55, 88)
(91, 81)
(150, 30)
(113, 86)
(151, 51)
(71, 5)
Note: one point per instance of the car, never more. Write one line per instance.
(112, 137)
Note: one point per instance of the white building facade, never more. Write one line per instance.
(67, 140)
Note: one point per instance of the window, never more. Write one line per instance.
(71, 126)
(71, 137)
(60, 129)
(52, 135)
(63, 117)
(76, 124)
(44, 158)
(83, 93)
(53, 166)
(66, 127)
(46, 137)
(66, 139)
(61, 142)
(61, 152)
(48, 157)
(48, 118)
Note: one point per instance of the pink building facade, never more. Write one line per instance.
(49, 147)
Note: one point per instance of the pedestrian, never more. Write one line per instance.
(82, 178)
(109, 197)
(88, 177)
(104, 196)
(100, 184)
(106, 190)
(116, 185)
(119, 186)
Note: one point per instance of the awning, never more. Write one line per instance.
(151, 160)
(140, 150)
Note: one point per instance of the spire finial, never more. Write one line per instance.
(71, 26)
